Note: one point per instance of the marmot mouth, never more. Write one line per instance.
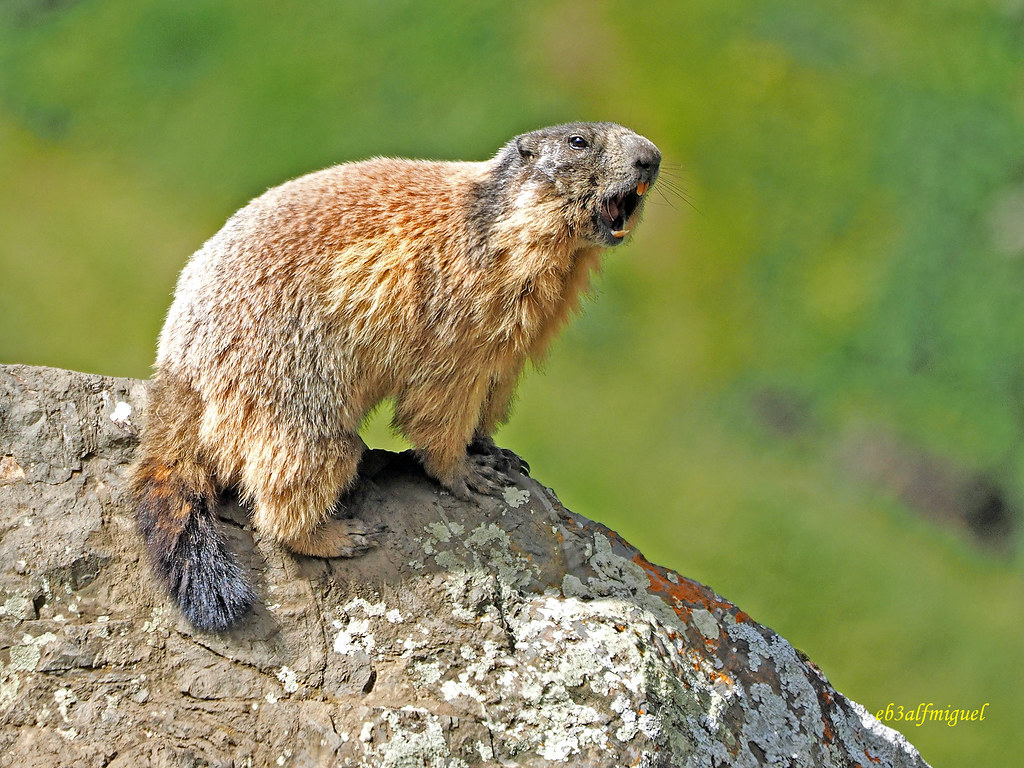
(616, 210)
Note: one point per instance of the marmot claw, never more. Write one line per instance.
(484, 452)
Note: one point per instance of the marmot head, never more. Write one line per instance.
(600, 173)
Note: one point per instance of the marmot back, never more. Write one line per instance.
(428, 282)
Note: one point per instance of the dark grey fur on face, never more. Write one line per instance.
(491, 201)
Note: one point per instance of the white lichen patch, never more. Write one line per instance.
(24, 658)
(288, 679)
(368, 608)
(487, 535)
(417, 738)
(628, 730)
(157, 619)
(558, 745)
(617, 576)
(439, 532)
(718, 705)
(484, 550)
(772, 725)
(650, 725)
(355, 637)
(485, 751)
(409, 646)
(10, 684)
(121, 414)
(615, 572)
(757, 646)
(508, 679)
(452, 690)
(561, 744)
(17, 607)
(576, 648)
(887, 740)
(705, 622)
(449, 561)
(65, 699)
(515, 497)
(427, 672)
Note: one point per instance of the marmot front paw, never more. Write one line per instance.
(483, 451)
(476, 478)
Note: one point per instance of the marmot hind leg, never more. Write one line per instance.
(336, 538)
(294, 498)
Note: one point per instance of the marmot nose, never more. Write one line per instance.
(646, 156)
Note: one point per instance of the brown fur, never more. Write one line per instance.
(426, 282)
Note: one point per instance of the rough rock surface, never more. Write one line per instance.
(513, 633)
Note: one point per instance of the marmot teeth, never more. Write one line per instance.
(617, 208)
(610, 211)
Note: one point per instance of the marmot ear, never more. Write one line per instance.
(527, 146)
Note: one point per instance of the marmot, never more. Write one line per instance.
(431, 283)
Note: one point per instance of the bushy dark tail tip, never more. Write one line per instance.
(188, 552)
(206, 579)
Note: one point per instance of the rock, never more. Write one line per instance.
(509, 633)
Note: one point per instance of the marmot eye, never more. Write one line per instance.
(578, 142)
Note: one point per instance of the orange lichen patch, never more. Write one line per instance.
(684, 594)
(715, 676)
(872, 759)
(829, 736)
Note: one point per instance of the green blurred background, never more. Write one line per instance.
(803, 384)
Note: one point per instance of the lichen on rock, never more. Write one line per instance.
(510, 632)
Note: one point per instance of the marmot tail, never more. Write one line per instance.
(186, 548)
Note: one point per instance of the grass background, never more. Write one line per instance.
(784, 386)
